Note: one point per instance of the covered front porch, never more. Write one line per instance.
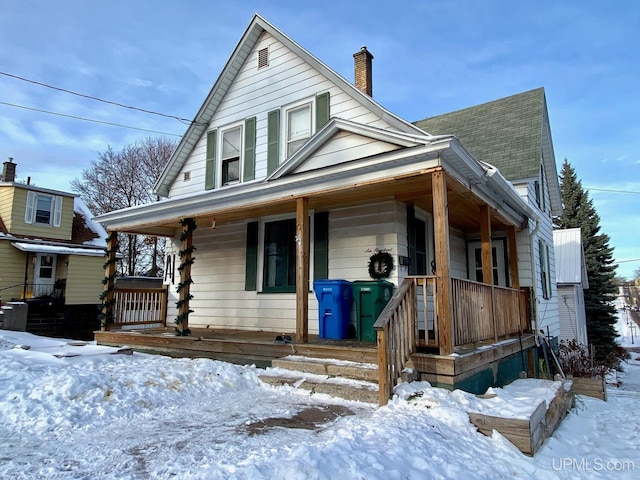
(438, 315)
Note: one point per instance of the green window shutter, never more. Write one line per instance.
(251, 266)
(322, 110)
(273, 140)
(411, 239)
(249, 149)
(321, 245)
(210, 171)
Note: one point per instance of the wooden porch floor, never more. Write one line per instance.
(259, 348)
(236, 346)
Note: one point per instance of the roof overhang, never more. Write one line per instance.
(57, 249)
(396, 173)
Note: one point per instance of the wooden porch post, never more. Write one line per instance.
(109, 281)
(485, 240)
(443, 277)
(513, 259)
(302, 270)
(184, 287)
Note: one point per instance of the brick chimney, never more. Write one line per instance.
(8, 171)
(362, 70)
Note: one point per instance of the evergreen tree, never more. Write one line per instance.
(579, 212)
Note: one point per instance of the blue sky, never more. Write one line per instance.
(431, 57)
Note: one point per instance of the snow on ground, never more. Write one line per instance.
(102, 415)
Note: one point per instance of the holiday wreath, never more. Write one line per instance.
(380, 265)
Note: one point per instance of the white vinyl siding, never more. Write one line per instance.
(255, 92)
(219, 297)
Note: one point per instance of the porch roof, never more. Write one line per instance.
(57, 249)
(403, 174)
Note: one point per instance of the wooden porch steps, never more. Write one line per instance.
(338, 378)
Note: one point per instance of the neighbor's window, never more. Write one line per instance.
(298, 128)
(231, 148)
(280, 256)
(43, 209)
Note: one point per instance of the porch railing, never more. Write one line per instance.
(138, 306)
(396, 336)
(479, 312)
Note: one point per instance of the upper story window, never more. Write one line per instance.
(231, 157)
(298, 128)
(541, 193)
(43, 209)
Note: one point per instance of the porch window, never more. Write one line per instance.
(280, 256)
(43, 209)
(231, 147)
(279, 253)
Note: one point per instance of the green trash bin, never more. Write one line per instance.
(370, 297)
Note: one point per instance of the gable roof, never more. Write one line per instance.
(511, 133)
(256, 27)
(388, 140)
(570, 263)
(87, 236)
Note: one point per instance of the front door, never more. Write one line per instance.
(44, 275)
(474, 252)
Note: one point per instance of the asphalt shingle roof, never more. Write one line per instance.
(507, 133)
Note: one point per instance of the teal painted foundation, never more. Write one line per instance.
(496, 374)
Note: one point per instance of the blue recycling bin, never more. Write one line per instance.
(334, 307)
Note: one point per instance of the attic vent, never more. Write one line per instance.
(263, 58)
(187, 176)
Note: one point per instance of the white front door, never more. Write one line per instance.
(474, 252)
(44, 275)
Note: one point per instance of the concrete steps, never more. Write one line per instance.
(338, 378)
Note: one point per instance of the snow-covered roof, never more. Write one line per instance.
(79, 207)
(57, 249)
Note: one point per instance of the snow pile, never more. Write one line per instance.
(101, 415)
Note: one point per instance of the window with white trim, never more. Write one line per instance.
(545, 269)
(298, 127)
(231, 155)
(43, 209)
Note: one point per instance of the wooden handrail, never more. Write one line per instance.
(395, 337)
(480, 312)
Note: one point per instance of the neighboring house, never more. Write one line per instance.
(51, 251)
(291, 174)
(571, 277)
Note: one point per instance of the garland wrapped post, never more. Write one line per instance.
(109, 282)
(184, 287)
